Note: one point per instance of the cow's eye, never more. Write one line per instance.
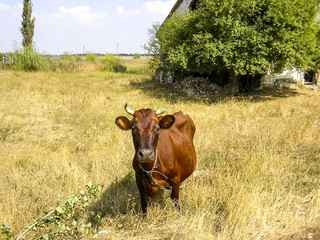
(155, 130)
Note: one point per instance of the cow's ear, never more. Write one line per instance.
(123, 123)
(166, 121)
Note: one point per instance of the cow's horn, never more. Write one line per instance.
(128, 110)
(159, 112)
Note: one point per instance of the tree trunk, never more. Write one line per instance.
(316, 77)
(233, 82)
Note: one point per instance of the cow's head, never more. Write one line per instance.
(145, 126)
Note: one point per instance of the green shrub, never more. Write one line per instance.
(136, 56)
(91, 57)
(78, 58)
(5, 231)
(65, 63)
(119, 68)
(67, 56)
(2, 65)
(61, 65)
(69, 219)
(112, 63)
(28, 60)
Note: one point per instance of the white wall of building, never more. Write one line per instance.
(184, 6)
(291, 77)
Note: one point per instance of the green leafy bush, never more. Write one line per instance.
(67, 220)
(91, 57)
(5, 231)
(136, 56)
(112, 63)
(28, 60)
(61, 65)
(66, 63)
(78, 58)
(67, 56)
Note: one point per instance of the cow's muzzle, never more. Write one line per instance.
(146, 155)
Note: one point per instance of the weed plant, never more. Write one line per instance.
(112, 63)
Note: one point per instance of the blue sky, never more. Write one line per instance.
(75, 26)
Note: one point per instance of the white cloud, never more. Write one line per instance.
(121, 11)
(14, 11)
(82, 15)
(3, 7)
(157, 9)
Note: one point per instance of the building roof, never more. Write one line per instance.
(174, 8)
(177, 5)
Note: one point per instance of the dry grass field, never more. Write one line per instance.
(258, 174)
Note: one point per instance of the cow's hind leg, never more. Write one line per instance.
(175, 194)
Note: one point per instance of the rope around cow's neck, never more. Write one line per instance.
(149, 173)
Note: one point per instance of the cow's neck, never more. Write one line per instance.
(151, 169)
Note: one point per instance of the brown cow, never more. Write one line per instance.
(164, 152)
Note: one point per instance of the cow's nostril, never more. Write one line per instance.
(146, 154)
(140, 154)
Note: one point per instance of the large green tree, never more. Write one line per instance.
(246, 37)
(27, 23)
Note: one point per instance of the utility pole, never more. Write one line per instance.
(117, 49)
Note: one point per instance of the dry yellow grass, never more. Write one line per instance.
(257, 176)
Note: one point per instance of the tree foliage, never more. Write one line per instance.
(27, 23)
(153, 47)
(111, 63)
(315, 57)
(28, 60)
(247, 36)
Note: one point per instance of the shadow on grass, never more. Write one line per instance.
(171, 94)
(121, 198)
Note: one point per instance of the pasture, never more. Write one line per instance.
(258, 173)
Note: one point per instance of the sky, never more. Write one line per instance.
(78, 26)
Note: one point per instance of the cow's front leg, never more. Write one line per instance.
(175, 194)
(143, 196)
